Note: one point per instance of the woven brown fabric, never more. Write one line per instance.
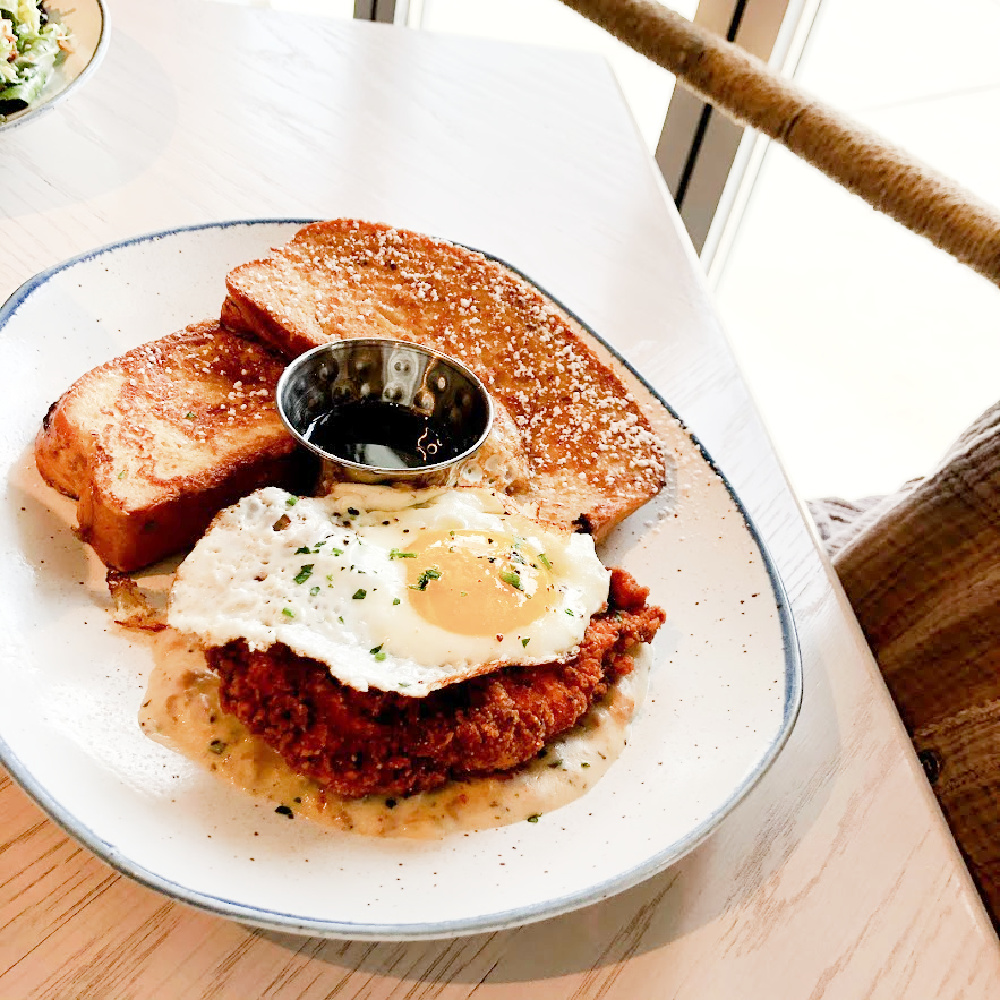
(742, 86)
(838, 520)
(922, 571)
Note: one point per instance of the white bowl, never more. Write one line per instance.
(88, 21)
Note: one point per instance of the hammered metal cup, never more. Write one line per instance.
(428, 383)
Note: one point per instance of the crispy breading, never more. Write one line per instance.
(131, 606)
(360, 743)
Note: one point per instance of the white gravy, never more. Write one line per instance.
(182, 711)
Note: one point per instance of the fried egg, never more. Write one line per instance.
(397, 590)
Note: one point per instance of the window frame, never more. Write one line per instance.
(708, 162)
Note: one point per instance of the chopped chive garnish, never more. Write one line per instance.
(511, 577)
(189, 415)
(396, 554)
(329, 577)
(123, 474)
(524, 642)
(395, 601)
(534, 817)
(313, 591)
(291, 501)
(377, 649)
(545, 560)
(304, 573)
(217, 747)
(432, 573)
(569, 611)
(288, 613)
(358, 595)
(337, 552)
(302, 550)
(584, 764)
(340, 618)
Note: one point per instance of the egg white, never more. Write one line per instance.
(323, 576)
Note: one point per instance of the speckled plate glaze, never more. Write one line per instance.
(91, 33)
(725, 687)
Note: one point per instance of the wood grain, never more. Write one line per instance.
(836, 877)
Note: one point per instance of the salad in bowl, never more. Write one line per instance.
(33, 42)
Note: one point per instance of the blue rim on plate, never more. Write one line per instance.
(288, 922)
(36, 109)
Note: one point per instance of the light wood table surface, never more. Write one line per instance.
(836, 877)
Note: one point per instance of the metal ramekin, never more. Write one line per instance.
(428, 382)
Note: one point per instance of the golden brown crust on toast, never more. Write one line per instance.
(154, 443)
(593, 457)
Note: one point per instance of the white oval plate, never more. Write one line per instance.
(91, 32)
(724, 692)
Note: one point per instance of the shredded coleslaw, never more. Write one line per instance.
(33, 42)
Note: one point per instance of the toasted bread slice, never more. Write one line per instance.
(500, 463)
(154, 443)
(592, 455)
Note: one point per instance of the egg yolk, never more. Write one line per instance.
(475, 583)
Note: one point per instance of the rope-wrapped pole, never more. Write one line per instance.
(743, 87)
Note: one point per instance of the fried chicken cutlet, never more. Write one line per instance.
(362, 743)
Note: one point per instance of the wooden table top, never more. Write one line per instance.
(836, 877)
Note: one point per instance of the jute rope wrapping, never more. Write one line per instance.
(742, 86)
(921, 568)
